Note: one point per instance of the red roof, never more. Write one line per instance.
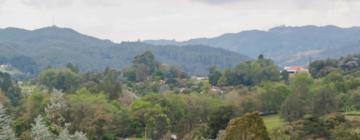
(295, 68)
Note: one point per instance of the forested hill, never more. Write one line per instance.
(285, 45)
(54, 46)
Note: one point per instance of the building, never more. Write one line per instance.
(4, 66)
(296, 69)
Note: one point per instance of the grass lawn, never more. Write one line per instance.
(273, 121)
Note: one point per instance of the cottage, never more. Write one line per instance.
(296, 69)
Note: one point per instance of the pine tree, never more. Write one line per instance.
(40, 131)
(6, 133)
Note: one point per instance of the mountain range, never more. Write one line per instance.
(55, 46)
(286, 45)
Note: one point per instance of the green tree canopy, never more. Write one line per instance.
(248, 127)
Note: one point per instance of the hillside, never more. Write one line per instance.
(286, 45)
(54, 46)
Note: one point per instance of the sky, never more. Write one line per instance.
(130, 20)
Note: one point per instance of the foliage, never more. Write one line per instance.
(309, 128)
(6, 132)
(250, 126)
(324, 102)
(214, 75)
(321, 68)
(62, 79)
(151, 118)
(272, 95)
(219, 120)
(12, 91)
(249, 73)
(293, 108)
(40, 131)
(96, 116)
(56, 111)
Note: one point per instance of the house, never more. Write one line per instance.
(296, 69)
(4, 66)
(199, 78)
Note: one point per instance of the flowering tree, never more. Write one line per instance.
(6, 133)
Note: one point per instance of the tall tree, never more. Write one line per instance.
(214, 75)
(12, 91)
(293, 108)
(325, 102)
(272, 95)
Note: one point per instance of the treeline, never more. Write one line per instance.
(156, 101)
(25, 64)
(54, 46)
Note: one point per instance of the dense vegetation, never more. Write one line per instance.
(285, 45)
(56, 47)
(151, 100)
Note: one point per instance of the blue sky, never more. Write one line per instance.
(126, 20)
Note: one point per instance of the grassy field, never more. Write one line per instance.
(273, 122)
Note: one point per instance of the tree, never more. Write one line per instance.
(79, 136)
(248, 127)
(214, 75)
(6, 132)
(145, 65)
(345, 102)
(110, 83)
(73, 67)
(65, 135)
(40, 131)
(254, 72)
(325, 102)
(293, 108)
(272, 95)
(219, 120)
(242, 101)
(31, 107)
(321, 68)
(93, 114)
(152, 119)
(300, 85)
(12, 91)
(56, 110)
(62, 79)
(309, 128)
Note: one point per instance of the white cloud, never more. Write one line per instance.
(103, 2)
(222, 1)
(48, 3)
